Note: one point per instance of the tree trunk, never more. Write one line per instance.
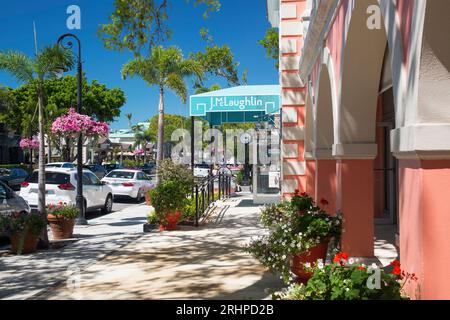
(49, 142)
(41, 175)
(160, 146)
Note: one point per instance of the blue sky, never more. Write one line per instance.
(240, 24)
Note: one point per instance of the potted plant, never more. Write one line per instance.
(299, 233)
(23, 229)
(61, 218)
(168, 200)
(188, 213)
(148, 198)
(347, 279)
(152, 221)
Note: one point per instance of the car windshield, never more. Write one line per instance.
(121, 175)
(50, 178)
(53, 165)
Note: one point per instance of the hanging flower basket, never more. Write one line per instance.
(73, 123)
(27, 143)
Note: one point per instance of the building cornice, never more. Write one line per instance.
(321, 20)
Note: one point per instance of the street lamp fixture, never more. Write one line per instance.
(81, 220)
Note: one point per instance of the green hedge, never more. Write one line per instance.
(12, 166)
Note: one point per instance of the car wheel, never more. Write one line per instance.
(140, 196)
(107, 208)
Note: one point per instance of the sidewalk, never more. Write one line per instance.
(22, 277)
(191, 263)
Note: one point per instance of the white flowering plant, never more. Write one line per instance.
(348, 279)
(294, 227)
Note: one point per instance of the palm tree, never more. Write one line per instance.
(167, 69)
(45, 64)
(129, 116)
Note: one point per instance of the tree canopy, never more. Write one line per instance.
(59, 95)
(271, 43)
(138, 25)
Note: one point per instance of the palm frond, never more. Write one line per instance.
(18, 65)
(177, 85)
(53, 58)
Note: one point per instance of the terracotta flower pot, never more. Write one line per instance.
(29, 243)
(62, 228)
(311, 256)
(172, 222)
(148, 199)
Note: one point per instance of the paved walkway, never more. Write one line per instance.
(22, 277)
(191, 263)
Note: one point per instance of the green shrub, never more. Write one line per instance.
(16, 223)
(177, 173)
(13, 166)
(347, 279)
(292, 231)
(62, 210)
(152, 218)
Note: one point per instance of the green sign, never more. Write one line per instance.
(201, 105)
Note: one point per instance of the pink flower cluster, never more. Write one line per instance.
(74, 123)
(139, 152)
(29, 143)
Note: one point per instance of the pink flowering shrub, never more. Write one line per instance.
(29, 143)
(74, 123)
(139, 152)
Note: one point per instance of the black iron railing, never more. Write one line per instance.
(206, 193)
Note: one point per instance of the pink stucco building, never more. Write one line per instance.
(366, 122)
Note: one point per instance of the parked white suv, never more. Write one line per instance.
(202, 170)
(60, 186)
(128, 183)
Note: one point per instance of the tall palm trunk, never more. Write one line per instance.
(160, 146)
(49, 142)
(41, 174)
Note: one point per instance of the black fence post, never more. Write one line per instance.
(208, 189)
(203, 199)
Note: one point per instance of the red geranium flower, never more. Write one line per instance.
(340, 256)
(397, 271)
(303, 194)
(395, 263)
(297, 191)
(362, 268)
(323, 202)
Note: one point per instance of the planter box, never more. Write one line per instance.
(186, 223)
(150, 227)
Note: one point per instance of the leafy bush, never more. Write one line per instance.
(177, 173)
(168, 197)
(132, 163)
(17, 223)
(292, 231)
(189, 210)
(346, 279)
(152, 218)
(16, 166)
(62, 210)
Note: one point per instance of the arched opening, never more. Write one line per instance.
(323, 133)
(323, 139)
(434, 93)
(362, 66)
(358, 141)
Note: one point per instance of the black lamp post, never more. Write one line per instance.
(81, 220)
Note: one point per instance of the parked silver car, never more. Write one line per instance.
(10, 202)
